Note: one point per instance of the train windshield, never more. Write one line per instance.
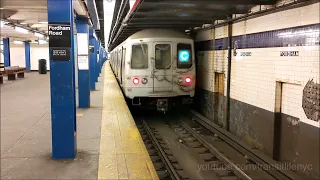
(163, 56)
(184, 56)
(139, 57)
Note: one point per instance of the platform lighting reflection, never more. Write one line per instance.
(22, 30)
(184, 55)
(310, 32)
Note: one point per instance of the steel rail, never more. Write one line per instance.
(162, 154)
(237, 171)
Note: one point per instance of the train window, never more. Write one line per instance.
(139, 57)
(163, 56)
(184, 56)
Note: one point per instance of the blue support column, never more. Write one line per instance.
(27, 55)
(96, 48)
(6, 52)
(92, 59)
(101, 58)
(83, 72)
(62, 85)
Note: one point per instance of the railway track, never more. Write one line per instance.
(261, 161)
(183, 147)
(163, 160)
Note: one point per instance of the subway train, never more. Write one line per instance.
(155, 68)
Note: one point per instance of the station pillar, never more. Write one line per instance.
(6, 52)
(96, 50)
(92, 59)
(62, 78)
(27, 55)
(83, 62)
(101, 58)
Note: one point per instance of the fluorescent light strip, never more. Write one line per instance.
(22, 30)
(43, 22)
(3, 23)
(18, 42)
(42, 42)
(39, 35)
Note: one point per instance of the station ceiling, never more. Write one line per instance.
(32, 15)
(100, 33)
(175, 14)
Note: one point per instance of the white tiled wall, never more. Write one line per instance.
(17, 55)
(1, 58)
(253, 78)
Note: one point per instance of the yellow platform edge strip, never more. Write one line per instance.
(123, 154)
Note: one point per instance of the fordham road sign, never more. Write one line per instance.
(59, 41)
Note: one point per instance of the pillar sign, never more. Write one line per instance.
(59, 41)
(83, 45)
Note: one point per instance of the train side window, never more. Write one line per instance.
(139, 57)
(184, 56)
(163, 56)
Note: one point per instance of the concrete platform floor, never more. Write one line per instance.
(26, 132)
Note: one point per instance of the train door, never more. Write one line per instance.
(119, 63)
(162, 66)
(123, 63)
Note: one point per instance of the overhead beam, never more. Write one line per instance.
(166, 23)
(192, 12)
(218, 2)
(175, 18)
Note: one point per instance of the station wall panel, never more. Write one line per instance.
(1, 58)
(39, 52)
(17, 55)
(256, 68)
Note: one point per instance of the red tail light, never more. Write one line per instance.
(135, 81)
(188, 80)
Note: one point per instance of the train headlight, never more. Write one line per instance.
(135, 81)
(188, 80)
(144, 81)
(180, 80)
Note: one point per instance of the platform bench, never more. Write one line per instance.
(13, 70)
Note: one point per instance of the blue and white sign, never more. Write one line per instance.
(184, 55)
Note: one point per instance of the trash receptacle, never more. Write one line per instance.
(42, 66)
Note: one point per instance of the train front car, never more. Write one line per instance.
(158, 69)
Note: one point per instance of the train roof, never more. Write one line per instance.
(158, 33)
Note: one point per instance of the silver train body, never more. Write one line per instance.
(156, 68)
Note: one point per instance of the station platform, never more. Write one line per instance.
(109, 145)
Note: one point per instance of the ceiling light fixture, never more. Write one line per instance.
(3, 23)
(17, 42)
(22, 30)
(39, 35)
(42, 41)
(43, 22)
(23, 23)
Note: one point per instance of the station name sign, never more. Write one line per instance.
(242, 53)
(59, 41)
(289, 53)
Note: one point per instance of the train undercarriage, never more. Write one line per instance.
(163, 104)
